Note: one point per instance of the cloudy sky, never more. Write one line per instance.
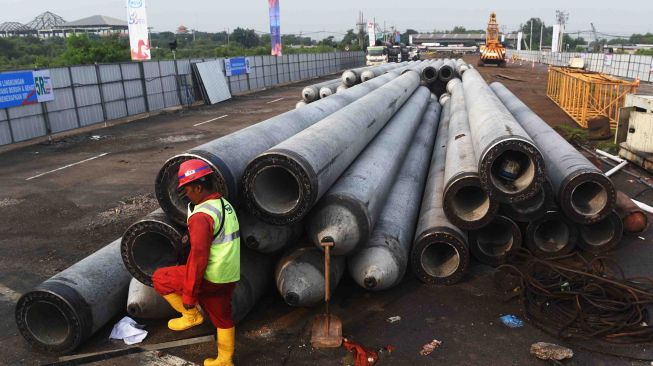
(611, 17)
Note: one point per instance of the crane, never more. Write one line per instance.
(492, 52)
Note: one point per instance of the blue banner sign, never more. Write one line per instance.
(236, 66)
(17, 88)
(25, 87)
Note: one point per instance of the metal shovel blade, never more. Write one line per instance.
(326, 331)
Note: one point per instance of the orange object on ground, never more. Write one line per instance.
(362, 356)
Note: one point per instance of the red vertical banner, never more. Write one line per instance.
(275, 27)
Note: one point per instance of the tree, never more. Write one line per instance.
(80, 49)
(328, 41)
(246, 37)
(405, 37)
(642, 38)
(350, 38)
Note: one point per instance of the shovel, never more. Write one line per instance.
(327, 329)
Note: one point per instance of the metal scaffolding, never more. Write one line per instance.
(585, 94)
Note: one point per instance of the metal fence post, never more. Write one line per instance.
(147, 100)
(72, 87)
(11, 130)
(46, 120)
(99, 80)
(299, 65)
(163, 93)
(124, 91)
(178, 84)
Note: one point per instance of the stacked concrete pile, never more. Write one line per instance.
(434, 73)
(385, 170)
(511, 180)
(68, 308)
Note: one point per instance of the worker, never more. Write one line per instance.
(213, 267)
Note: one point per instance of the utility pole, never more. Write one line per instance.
(530, 38)
(562, 17)
(541, 31)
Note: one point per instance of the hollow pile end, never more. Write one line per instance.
(587, 197)
(440, 257)
(172, 199)
(148, 245)
(278, 189)
(467, 205)
(50, 323)
(551, 235)
(601, 236)
(492, 243)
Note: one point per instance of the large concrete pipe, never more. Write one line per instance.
(447, 71)
(532, 208)
(145, 303)
(66, 309)
(299, 276)
(255, 281)
(267, 238)
(440, 253)
(282, 184)
(466, 203)
(229, 155)
(255, 269)
(429, 73)
(341, 88)
(551, 235)
(510, 165)
(582, 191)
(312, 92)
(491, 243)
(348, 211)
(300, 104)
(381, 263)
(150, 243)
(380, 70)
(601, 236)
(353, 76)
(329, 89)
(461, 67)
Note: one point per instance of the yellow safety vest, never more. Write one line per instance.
(224, 257)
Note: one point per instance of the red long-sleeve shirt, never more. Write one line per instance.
(200, 230)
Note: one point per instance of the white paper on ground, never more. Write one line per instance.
(129, 331)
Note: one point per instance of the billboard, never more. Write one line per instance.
(236, 66)
(25, 87)
(555, 42)
(275, 27)
(519, 37)
(139, 40)
(370, 33)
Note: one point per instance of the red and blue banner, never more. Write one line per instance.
(275, 27)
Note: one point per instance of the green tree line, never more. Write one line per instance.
(32, 52)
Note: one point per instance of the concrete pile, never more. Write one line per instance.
(65, 310)
(387, 170)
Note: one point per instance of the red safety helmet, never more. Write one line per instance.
(191, 170)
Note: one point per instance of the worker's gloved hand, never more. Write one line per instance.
(189, 306)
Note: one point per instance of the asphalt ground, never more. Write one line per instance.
(62, 200)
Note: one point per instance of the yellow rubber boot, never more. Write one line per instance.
(189, 318)
(226, 346)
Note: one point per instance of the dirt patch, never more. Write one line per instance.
(182, 138)
(128, 208)
(5, 202)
